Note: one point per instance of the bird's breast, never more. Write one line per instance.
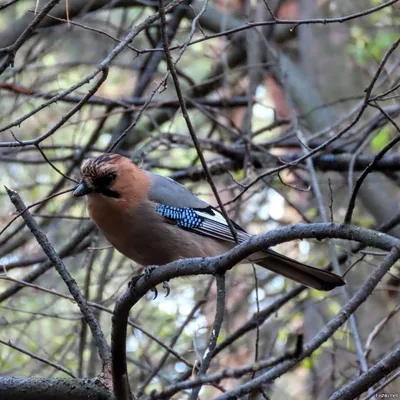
(144, 236)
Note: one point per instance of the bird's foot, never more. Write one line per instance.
(148, 270)
(133, 281)
(146, 273)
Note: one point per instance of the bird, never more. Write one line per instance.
(154, 220)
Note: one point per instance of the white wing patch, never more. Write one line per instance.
(217, 217)
(216, 226)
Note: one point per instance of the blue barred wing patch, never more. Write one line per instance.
(183, 217)
(205, 221)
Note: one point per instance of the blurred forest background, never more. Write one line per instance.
(260, 94)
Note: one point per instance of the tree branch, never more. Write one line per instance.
(333, 325)
(17, 388)
(54, 258)
(140, 285)
(370, 378)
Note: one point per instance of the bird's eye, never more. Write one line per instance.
(104, 181)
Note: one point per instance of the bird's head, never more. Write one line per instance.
(106, 175)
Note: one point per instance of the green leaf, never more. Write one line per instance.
(381, 139)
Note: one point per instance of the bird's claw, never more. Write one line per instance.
(155, 292)
(147, 272)
(165, 285)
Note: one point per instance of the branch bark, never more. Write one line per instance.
(17, 388)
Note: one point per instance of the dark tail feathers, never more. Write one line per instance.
(292, 269)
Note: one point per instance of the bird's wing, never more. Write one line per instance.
(181, 207)
(165, 190)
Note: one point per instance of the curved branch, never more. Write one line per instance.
(140, 285)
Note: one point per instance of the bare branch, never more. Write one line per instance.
(102, 346)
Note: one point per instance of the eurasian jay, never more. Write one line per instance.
(154, 220)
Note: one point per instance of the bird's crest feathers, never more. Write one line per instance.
(101, 165)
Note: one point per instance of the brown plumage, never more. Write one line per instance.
(154, 220)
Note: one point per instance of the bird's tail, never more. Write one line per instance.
(292, 269)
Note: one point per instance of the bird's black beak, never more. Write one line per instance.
(82, 189)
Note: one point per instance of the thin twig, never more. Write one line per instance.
(379, 156)
(185, 114)
(348, 309)
(102, 346)
(38, 358)
(216, 329)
